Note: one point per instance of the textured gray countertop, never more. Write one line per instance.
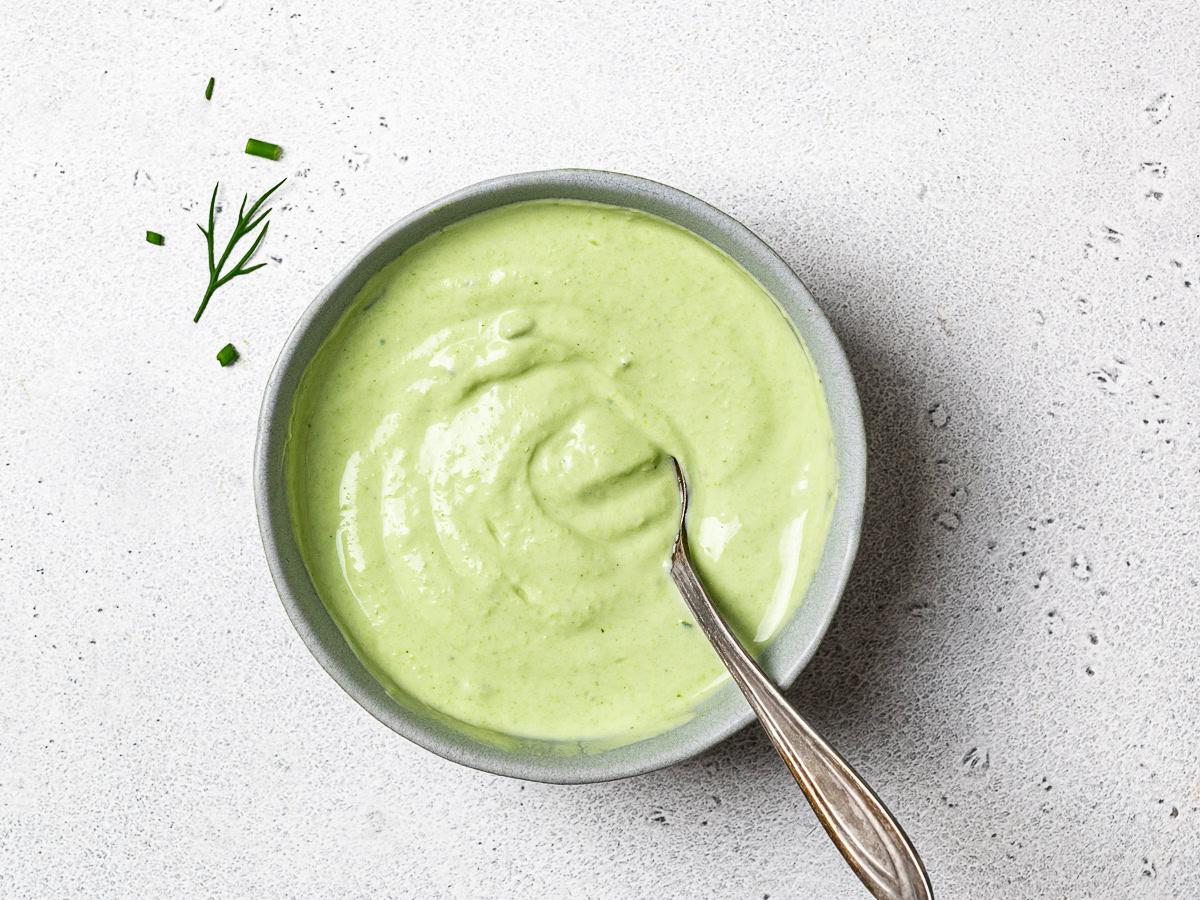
(997, 205)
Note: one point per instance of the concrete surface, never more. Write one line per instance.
(998, 205)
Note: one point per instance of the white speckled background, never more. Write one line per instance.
(996, 203)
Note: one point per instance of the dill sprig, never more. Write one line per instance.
(245, 224)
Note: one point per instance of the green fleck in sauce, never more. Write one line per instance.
(477, 476)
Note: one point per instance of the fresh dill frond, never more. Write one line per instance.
(246, 223)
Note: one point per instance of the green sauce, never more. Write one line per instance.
(477, 473)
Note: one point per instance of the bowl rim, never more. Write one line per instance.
(291, 577)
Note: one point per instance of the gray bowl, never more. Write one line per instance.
(725, 711)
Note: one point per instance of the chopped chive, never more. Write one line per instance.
(154, 238)
(227, 355)
(262, 148)
(208, 90)
(686, 624)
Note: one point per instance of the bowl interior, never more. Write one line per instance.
(722, 713)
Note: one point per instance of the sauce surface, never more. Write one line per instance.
(477, 476)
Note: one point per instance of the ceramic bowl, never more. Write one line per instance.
(722, 713)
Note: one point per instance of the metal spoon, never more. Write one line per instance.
(861, 827)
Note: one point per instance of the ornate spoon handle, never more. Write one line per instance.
(861, 827)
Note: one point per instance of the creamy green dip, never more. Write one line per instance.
(477, 475)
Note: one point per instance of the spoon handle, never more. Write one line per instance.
(861, 827)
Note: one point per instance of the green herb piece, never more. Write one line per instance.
(686, 624)
(154, 238)
(208, 90)
(245, 224)
(263, 148)
(227, 355)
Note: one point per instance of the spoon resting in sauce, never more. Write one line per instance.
(868, 836)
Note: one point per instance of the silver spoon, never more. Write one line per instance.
(861, 827)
